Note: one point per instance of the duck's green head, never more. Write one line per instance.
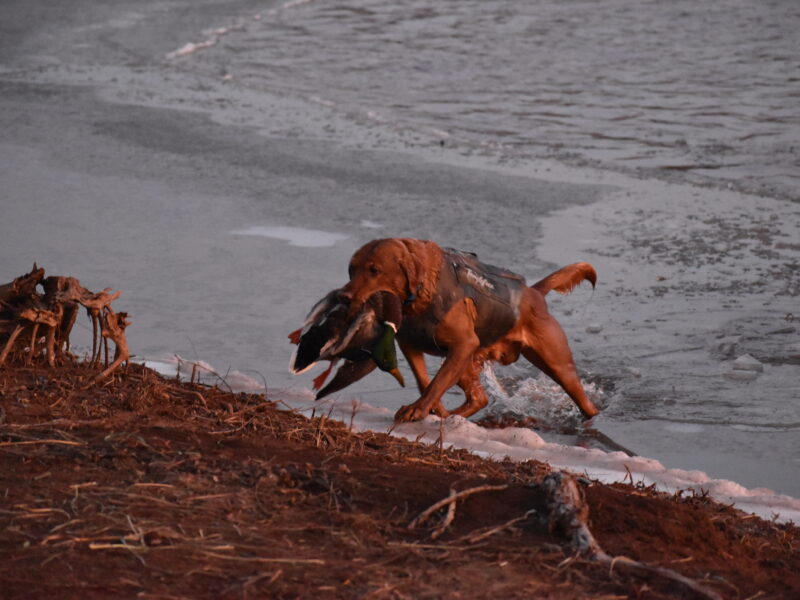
(385, 355)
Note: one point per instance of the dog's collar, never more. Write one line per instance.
(412, 296)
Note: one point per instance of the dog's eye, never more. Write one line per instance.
(373, 270)
(350, 271)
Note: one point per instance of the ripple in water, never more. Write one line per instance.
(686, 89)
(521, 396)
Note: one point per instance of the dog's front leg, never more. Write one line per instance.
(452, 367)
(416, 360)
(456, 332)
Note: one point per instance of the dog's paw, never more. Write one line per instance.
(439, 410)
(410, 412)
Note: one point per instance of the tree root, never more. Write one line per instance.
(49, 317)
(568, 515)
(450, 501)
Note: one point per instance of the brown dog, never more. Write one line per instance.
(456, 307)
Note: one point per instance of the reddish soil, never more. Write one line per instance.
(142, 487)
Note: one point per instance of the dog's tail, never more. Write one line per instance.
(564, 280)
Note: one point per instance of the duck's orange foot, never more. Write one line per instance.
(320, 379)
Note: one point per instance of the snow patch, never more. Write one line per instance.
(516, 443)
(296, 236)
(370, 224)
(522, 444)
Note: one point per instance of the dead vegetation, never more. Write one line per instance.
(36, 326)
(140, 486)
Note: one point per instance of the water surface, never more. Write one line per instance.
(683, 89)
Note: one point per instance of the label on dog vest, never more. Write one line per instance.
(496, 293)
(477, 280)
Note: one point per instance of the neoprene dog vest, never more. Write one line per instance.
(496, 293)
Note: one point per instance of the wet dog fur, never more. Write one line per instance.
(410, 268)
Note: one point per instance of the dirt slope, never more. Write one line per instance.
(142, 487)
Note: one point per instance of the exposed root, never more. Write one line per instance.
(568, 514)
(448, 518)
(451, 499)
(113, 327)
(50, 316)
(477, 536)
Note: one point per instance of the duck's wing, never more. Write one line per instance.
(362, 330)
(314, 334)
(348, 373)
(367, 328)
(313, 343)
(319, 311)
(328, 335)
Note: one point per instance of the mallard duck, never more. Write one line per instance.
(364, 342)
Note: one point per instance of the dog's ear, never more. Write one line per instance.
(409, 264)
(421, 262)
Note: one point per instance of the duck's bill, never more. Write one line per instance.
(397, 375)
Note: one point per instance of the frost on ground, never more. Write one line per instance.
(515, 443)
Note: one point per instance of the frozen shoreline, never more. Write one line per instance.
(152, 170)
(515, 443)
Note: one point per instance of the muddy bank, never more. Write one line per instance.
(143, 487)
(145, 173)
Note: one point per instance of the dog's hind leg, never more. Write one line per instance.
(549, 351)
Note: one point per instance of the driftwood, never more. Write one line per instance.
(568, 515)
(37, 325)
(113, 328)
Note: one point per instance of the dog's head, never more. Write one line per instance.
(401, 266)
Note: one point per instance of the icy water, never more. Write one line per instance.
(706, 91)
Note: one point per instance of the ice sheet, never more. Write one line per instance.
(296, 236)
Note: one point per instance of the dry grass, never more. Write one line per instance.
(146, 487)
